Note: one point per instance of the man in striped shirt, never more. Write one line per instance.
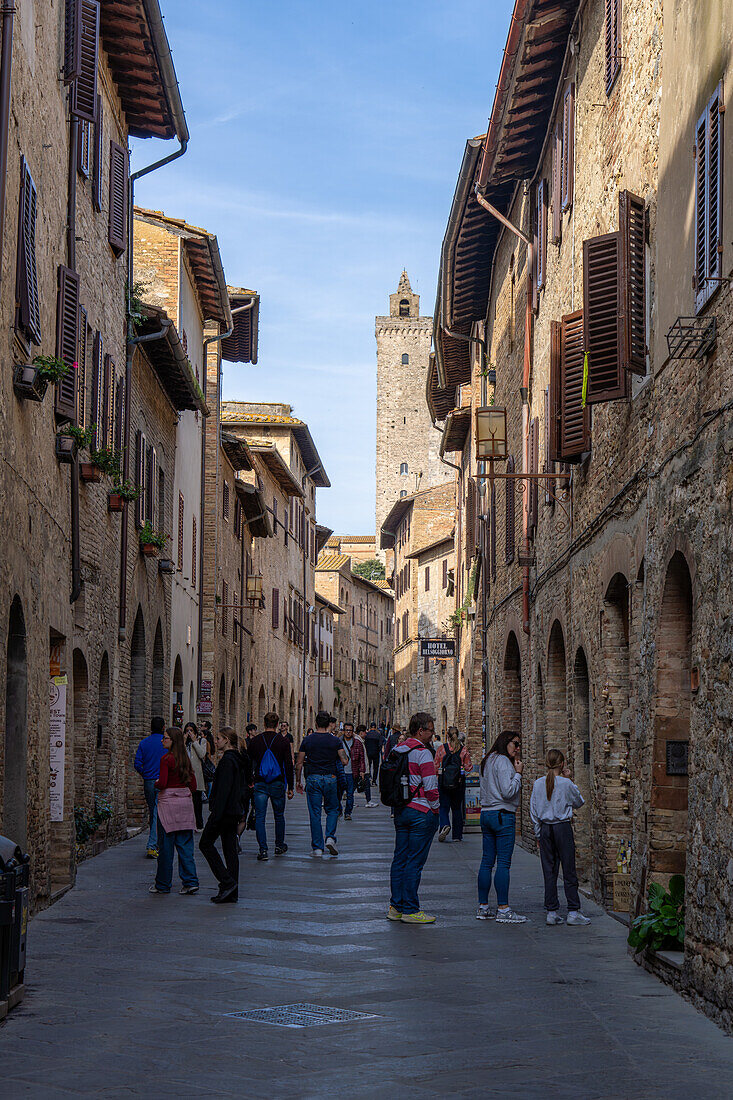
(415, 824)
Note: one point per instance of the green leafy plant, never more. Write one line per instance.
(126, 489)
(371, 570)
(81, 436)
(664, 925)
(52, 369)
(108, 460)
(86, 824)
(459, 616)
(150, 537)
(135, 302)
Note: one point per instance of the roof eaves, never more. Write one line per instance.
(431, 546)
(163, 347)
(237, 452)
(242, 345)
(254, 509)
(455, 431)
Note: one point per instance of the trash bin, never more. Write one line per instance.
(14, 880)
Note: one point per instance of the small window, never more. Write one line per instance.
(613, 42)
(405, 359)
(427, 578)
(403, 468)
(404, 308)
(403, 493)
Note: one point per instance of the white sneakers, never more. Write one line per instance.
(484, 913)
(444, 832)
(577, 918)
(508, 916)
(371, 805)
(318, 851)
(554, 918)
(331, 845)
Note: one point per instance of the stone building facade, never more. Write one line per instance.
(407, 447)
(362, 642)
(325, 684)
(597, 590)
(359, 548)
(419, 533)
(73, 577)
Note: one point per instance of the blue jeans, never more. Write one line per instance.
(414, 832)
(350, 788)
(275, 791)
(151, 797)
(498, 830)
(182, 842)
(320, 793)
(451, 802)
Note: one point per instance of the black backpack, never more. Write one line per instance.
(450, 776)
(394, 780)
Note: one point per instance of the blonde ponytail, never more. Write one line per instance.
(553, 760)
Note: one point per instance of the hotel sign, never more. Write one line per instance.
(440, 648)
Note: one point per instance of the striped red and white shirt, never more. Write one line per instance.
(423, 777)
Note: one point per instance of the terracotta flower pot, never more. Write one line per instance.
(89, 472)
(149, 550)
(115, 502)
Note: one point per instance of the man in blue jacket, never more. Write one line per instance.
(149, 753)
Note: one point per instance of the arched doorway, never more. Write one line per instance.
(177, 688)
(511, 702)
(556, 707)
(582, 771)
(16, 729)
(539, 733)
(82, 787)
(261, 708)
(443, 721)
(191, 704)
(233, 705)
(222, 702)
(281, 706)
(137, 726)
(668, 839)
(102, 739)
(159, 708)
(291, 713)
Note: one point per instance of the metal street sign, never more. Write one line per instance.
(438, 647)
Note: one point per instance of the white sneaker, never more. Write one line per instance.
(318, 851)
(371, 805)
(331, 845)
(575, 917)
(508, 916)
(444, 832)
(484, 912)
(554, 918)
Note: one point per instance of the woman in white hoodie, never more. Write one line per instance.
(554, 797)
(501, 789)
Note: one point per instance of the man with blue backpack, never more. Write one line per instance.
(272, 762)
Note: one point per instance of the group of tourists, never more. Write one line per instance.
(420, 779)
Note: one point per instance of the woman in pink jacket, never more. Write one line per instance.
(176, 819)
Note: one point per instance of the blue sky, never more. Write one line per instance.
(325, 145)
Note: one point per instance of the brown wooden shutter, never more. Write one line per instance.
(541, 215)
(445, 572)
(510, 518)
(225, 507)
(72, 44)
(119, 441)
(97, 159)
(568, 146)
(224, 607)
(275, 608)
(103, 435)
(470, 519)
(95, 411)
(140, 477)
(613, 41)
(427, 578)
(83, 149)
(555, 392)
(81, 386)
(557, 184)
(193, 551)
(548, 465)
(574, 427)
(84, 96)
(28, 302)
(492, 532)
(161, 497)
(67, 341)
(109, 411)
(118, 171)
(631, 224)
(532, 492)
(603, 320)
(708, 200)
(181, 531)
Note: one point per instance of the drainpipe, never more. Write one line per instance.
(71, 261)
(524, 389)
(6, 62)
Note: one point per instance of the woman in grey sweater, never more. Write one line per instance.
(501, 789)
(554, 797)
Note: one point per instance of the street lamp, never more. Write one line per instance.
(491, 441)
(254, 588)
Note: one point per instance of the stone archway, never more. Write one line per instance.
(137, 724)
(281, 706)
(291, 713)
(158, 703)
(83, 794)
(556, 704)
(582, 769)
(511, 701)
(177, 686)
(102, 738)
(539, 733)
(222, 715)
(672, 715)
(233, 705)
(15, 821)
(261, 709)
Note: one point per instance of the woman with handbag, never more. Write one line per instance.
(176, 820)
(196, 747)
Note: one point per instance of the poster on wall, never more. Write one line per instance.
(58, 745)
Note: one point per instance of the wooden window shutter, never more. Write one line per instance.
(97, 158)
(445, 572)
(224, 607)
(708, 200)
(510, 519)
(139, 477)
(103, 432)
(541, 215)
(574, 423)
(26, 292)
(427, 578)
(193, 551)
(557, 184)
(554, 418)
(118, 173)
(83, 149)
(548, 465)
(110, 372)
(492, 533)
(603, 321)
(95, 410)
(225, 503)
(161, 497)
(149, 484)
(532, 492)
(275, 608)
(119, 440)
(67, 341)
(84, 95)
(613, 41)
(154, 487)
(81, 386)
(470, 519)
(181, 531)
(631, 224)
(568, 147)
(72, 44)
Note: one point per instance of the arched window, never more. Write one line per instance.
(405, 359)
(404, 308)
(403, 492)
(403, 468)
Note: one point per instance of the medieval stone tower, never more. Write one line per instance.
(408, 457)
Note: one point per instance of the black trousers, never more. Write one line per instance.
(557, 848)
(226, 829)
(373, 762)
(197, 804)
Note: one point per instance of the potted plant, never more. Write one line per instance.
(30, 380)
(69, 440)
(121, 491)
(106, 461)
(663, 927)
(151, 541)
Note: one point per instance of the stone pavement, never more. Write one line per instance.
(128, 993)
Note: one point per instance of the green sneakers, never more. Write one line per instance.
(418, 918)
(393, 914)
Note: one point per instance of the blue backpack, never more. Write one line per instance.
(270, 770)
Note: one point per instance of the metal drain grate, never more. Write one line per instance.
(300, 1015)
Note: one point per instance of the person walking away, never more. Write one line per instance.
(415, 822)
(319, 754)
(359, 736)
(501, 789)
(175, 786)
(453, 762)
(150, 752)
(272, 764)
(208, 764)
(354, 767)
(225, 811)
(196, 747)
(553, 799)
(395, 737)
(250, 731)
(373, 743)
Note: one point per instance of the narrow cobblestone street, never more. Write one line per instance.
(128, 994)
